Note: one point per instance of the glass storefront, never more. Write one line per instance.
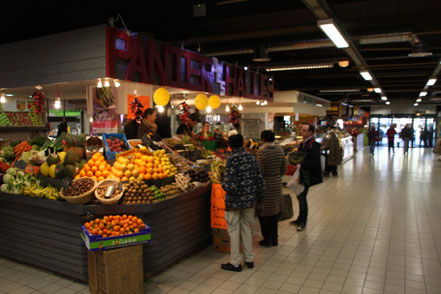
(424, 128)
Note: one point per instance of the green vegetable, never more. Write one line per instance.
(40, 141)
(8, 179)
(12, 171)
(7, 153)
(4, 188)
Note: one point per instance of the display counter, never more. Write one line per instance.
(358, 142)
(347, 148)
(46, 233)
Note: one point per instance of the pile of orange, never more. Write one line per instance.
(115, 225)
(96, 168)
(143, 167)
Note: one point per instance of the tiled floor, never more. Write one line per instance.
(376, 228)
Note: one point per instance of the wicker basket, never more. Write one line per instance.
(83, 198)
(111, 200)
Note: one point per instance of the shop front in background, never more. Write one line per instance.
(423, 126)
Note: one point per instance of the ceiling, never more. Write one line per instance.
(381, 34)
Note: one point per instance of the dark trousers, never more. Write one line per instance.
(371, 147)
(303, 206)
(391, 145)
(269, 227)
(331, 169)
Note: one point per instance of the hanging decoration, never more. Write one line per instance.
(137, 108)
(39, 100)
(201, 101)
(185, 111)
(161, 97)
(234, 116)
(214, 102)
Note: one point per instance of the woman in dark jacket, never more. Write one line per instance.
(272, 164)
(334, 155)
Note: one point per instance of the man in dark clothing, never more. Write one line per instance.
(373, 137)
(406, 135)
(244, 186)
(62, 128)
(187, 127)
(391, 137)
(310, 171)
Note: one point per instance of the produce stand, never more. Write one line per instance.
(47, 233)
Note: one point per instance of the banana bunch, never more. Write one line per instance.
(218, 168)
(37, 191)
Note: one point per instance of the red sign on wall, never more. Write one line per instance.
(141, 59)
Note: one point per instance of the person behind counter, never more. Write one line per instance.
(148, 124)
(204, 134)
(187, 127)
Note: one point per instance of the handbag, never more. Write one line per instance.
(288, 212)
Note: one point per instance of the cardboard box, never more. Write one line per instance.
(221, 244)
(97, 242)
(116, 271)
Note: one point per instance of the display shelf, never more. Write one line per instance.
(13, 129)
(47, 233)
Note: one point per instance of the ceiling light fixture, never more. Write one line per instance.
(415, 104)
(387, 103)
(300, 67)
(117, 83)
(240, 108)
(106, 84)
(384, 98)
(9, 95)
(261, 54)
(245, 67)
(377, 90)
(319, 105)
(370, 89)
(366, 75)
(423, 93)
(91, 119)
(227, 108)
(330, 29)
(339, 91)
(208, 109)
(418, 50)
(431, 82)
(419, 100)
(343, 63)
(57, 103)
(100, 84)
(2, 98)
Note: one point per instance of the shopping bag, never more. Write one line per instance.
(294, 182)
(288, 212)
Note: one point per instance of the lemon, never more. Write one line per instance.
(52, 170)
(44, 169)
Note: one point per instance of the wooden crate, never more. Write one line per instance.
(116, 271)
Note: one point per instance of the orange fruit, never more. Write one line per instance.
(140, 177)
(106, 173)
(147, 176)
(91, 162)
(95, 156)
(98, 173)
(100, 178)
(94, 169)
(124, 179)
(141, 170)
(155, 176)
(138, 155)
(135, 172)
(98, 162)
(89, 174)
(161, 175)
(102, 167)
(82, 173)
(95, 178)
(108, 167)
(128, 173)
(86, 167)
(77, 177)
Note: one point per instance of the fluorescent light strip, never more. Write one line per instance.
(423, 93)
(300, 67)
(377, 90)
(419, 100)
(431, 82)
(415, 104)
(387, 103)
(329, 28)
(366, 75)
(384, 98)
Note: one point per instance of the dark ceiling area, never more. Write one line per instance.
(381, 35)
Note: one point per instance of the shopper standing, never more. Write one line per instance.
(391, 137)
(310, 171)
(423, 137)
(372, 137)
(334, 155)
(272, 163)
(406, 135)
(244, 186)
(148, 124)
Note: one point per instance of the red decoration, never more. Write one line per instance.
(39, 101)
(137, 109)
(234, 116)
(185, 111)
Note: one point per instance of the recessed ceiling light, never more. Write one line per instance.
(431, 82)
(423, 93)
(419, 100)
(415, 104)
(384, 98)
(387, 103)
(366, 75)
(377, 90)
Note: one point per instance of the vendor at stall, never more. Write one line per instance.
(187, 127)
(148, 124)
(204, 134)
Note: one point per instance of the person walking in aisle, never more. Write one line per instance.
(244, 186)
(372, 137)
(391, 137)
(334, 155)
(310, 171)
(423, 136)
(429, 137)
(272, 163)
(406, 135)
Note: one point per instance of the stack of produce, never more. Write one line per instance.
(170, 191)
(36, 190)
(4, 120)
(96, 168)
(183, 182)
(22, 147)
(116, 145)
(218, 168)
(198, 175)
(79, 187)
(15, 180)
(115, 225)
(61, 165)
(7, 154)
(180, 163)
(143, 166)
(94, 144)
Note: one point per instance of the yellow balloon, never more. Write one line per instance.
(161, 96)
(214, 101)
(201, 101)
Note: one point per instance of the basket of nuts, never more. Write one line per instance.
(80, 192)
(109, 191)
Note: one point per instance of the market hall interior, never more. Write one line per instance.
(372, 229)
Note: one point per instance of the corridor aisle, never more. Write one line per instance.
(373, 229)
